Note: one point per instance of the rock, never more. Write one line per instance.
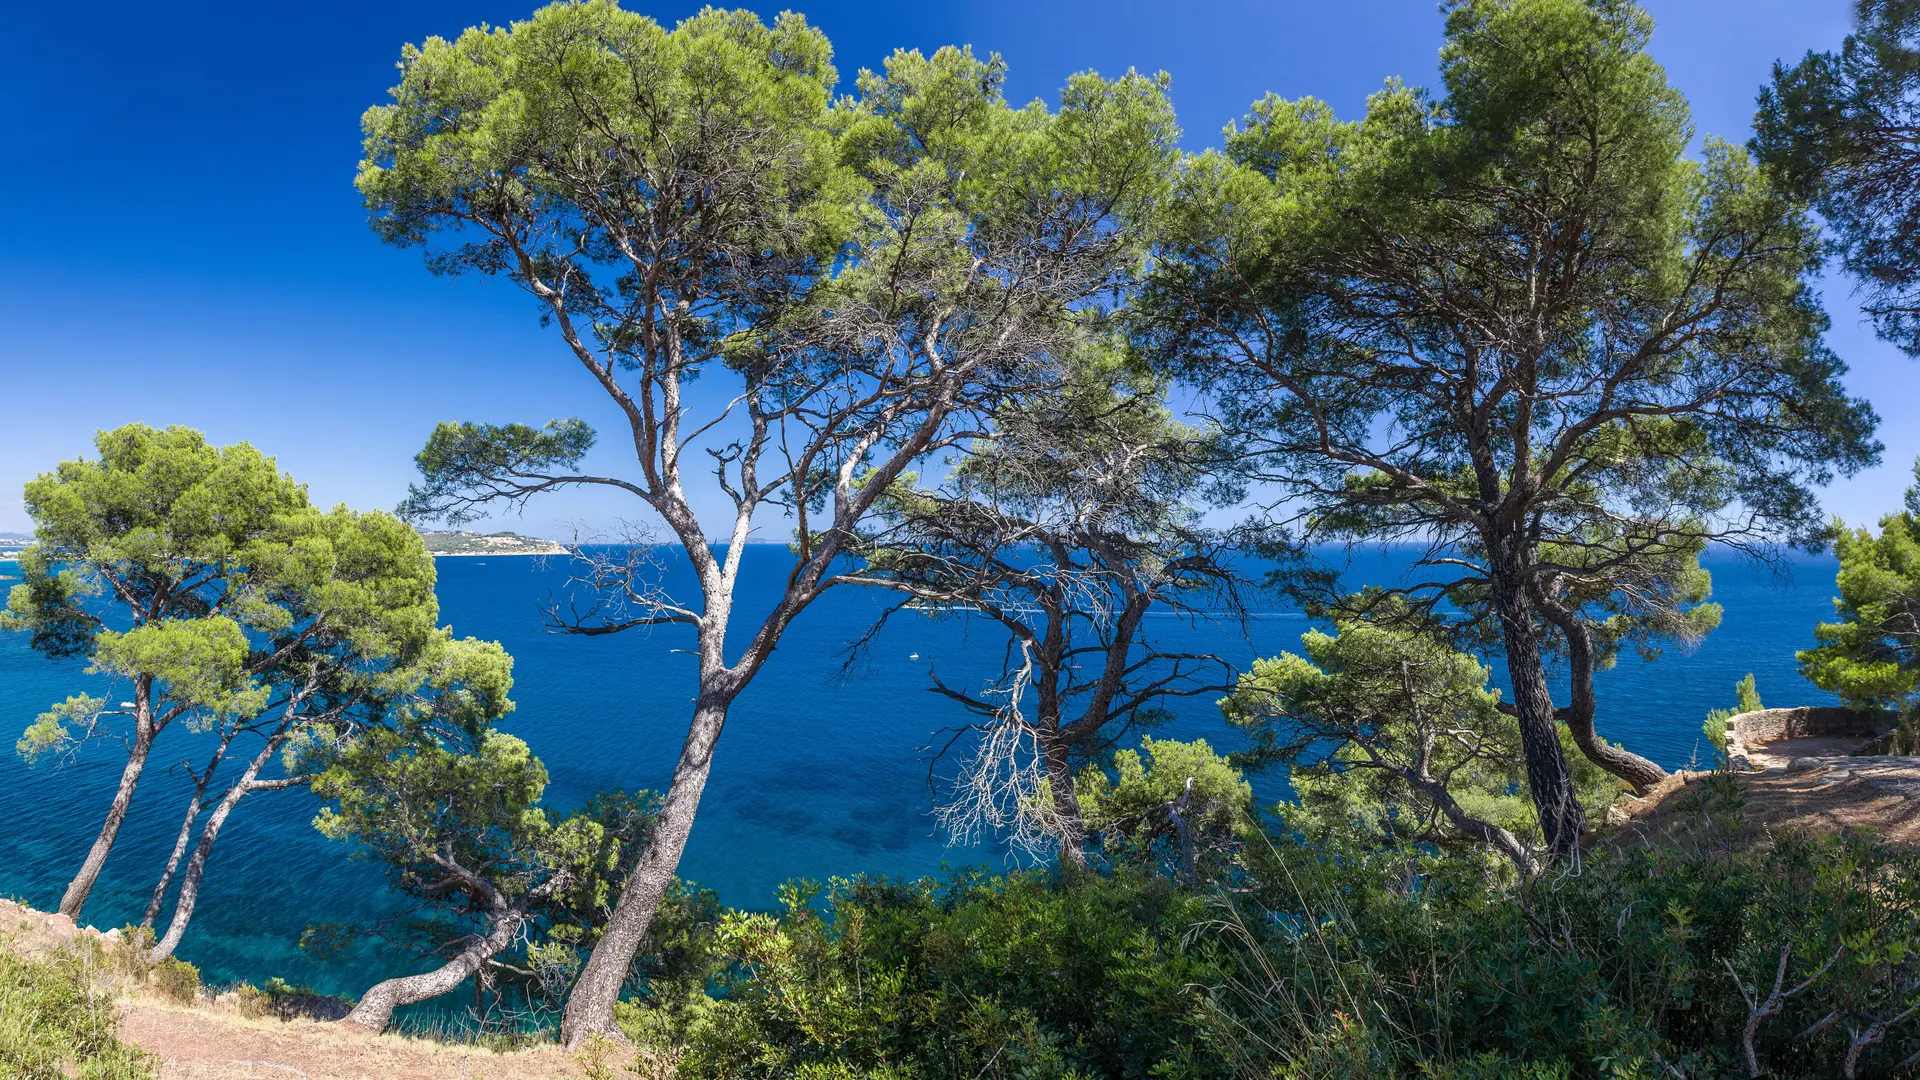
(62, 926)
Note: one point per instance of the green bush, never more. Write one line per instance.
(1324, 959)
(289, 1002)
(1746, 696)
(54, 1026)
(251, 1001)
(1322, 952)
(1013, 976)
(1638, 964)
(125, 954)
(176, 979)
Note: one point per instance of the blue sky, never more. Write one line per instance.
(180, 241)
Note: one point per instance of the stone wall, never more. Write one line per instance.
(1873, 728)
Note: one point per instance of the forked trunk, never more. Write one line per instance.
(375, 1008)
(194, 806)
(173, 859)
(590, 1003)
(1548, 780)
(183, 904)
(1479, 830)
(78, 889)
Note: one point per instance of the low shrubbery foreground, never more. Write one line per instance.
(1300, 958)
(1311, 961)
(55, 1023)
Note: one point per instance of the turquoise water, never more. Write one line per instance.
(820, 772)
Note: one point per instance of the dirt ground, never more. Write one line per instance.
(211, 1040)
(1781, 753)
(1820, 794)
(198, 1044)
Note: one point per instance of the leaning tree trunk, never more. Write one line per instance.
(75, 897)
(179, 852)
(590, 1003)
(1068, 822)
(1548, 780)
(183, 904)
(194, 806)
(375, 1008)
(1617, 761)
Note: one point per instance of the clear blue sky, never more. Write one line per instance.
(180, 240)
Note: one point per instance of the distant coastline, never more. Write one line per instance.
(455, 544)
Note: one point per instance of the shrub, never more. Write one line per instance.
(125, 954)
(1746, 699)
(975, 976)
(53, 1025)
(1326, 957)
(1641, 963)
(289, 1002)
(175, 978)
(251, 1001)
(1173, 807)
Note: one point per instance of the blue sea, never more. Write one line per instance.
(822, 770)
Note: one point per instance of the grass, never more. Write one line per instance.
(55, 1024)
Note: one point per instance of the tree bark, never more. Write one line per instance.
(1420, 777)
(590, 1004)
(1066, 803)
(183, 904)
(375, 1008)
(173, 858)
(194, 806)
(1617, 761)
(1483, 831)
(82, 884)
(1548, 780)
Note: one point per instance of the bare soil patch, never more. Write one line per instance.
(1780, 753)
(1816, 794)
(212, 1040)
(199, 1044)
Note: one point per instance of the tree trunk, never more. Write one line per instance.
(197, 866)
(1068, 821)
(174, 857)
(186, 831)
(1483, 831)
(590, 1003)
(75, 897)
(375, 1008)
(1548, 780)
(1617, 761)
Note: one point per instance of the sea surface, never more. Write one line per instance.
(822, 771)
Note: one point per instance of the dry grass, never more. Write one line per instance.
(201, 1043)
(213, 1038)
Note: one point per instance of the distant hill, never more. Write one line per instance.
(438, 542)
(499, 543)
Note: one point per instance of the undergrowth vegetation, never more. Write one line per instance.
(56, 1025)
(1311, 959)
